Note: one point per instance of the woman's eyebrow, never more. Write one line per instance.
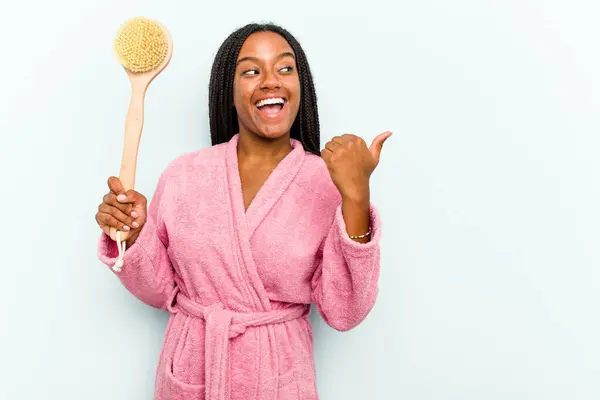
(280, 56)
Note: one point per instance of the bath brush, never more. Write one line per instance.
(144, 48)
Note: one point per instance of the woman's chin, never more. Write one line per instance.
(273, 132)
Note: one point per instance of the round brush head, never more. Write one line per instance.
(141, 45)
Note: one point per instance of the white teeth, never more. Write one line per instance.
(274, 100)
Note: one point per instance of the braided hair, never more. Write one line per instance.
(222, 114)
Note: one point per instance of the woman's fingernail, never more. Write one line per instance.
(134, 214)
(121, 197)
(125, 228)
(135, 224)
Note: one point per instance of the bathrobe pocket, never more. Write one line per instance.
(174, 389)
(288, 386)
(183, 367)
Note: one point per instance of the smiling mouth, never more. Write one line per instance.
(271, 108)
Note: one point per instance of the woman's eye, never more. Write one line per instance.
(255, 71)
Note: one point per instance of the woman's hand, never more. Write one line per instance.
(351, 163)
(122, 210)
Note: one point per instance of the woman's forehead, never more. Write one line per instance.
(264, 45)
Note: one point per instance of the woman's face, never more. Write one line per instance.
(266, 87)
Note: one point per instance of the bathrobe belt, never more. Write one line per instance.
(222, 325)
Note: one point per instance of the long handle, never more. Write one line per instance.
(134, 122)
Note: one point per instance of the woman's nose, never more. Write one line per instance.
(270, 81)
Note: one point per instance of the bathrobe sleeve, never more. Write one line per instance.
(345, 284)
(147, 271)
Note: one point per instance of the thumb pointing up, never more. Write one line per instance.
(377, 145)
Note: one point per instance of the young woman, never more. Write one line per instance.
(240, 238)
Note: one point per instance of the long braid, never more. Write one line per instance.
(222, 114)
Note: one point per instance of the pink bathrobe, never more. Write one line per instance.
(239, 284)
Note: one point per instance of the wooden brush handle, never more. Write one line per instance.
(134, 122)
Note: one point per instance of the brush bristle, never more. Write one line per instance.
(141, 45)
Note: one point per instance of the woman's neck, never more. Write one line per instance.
(255, 149)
